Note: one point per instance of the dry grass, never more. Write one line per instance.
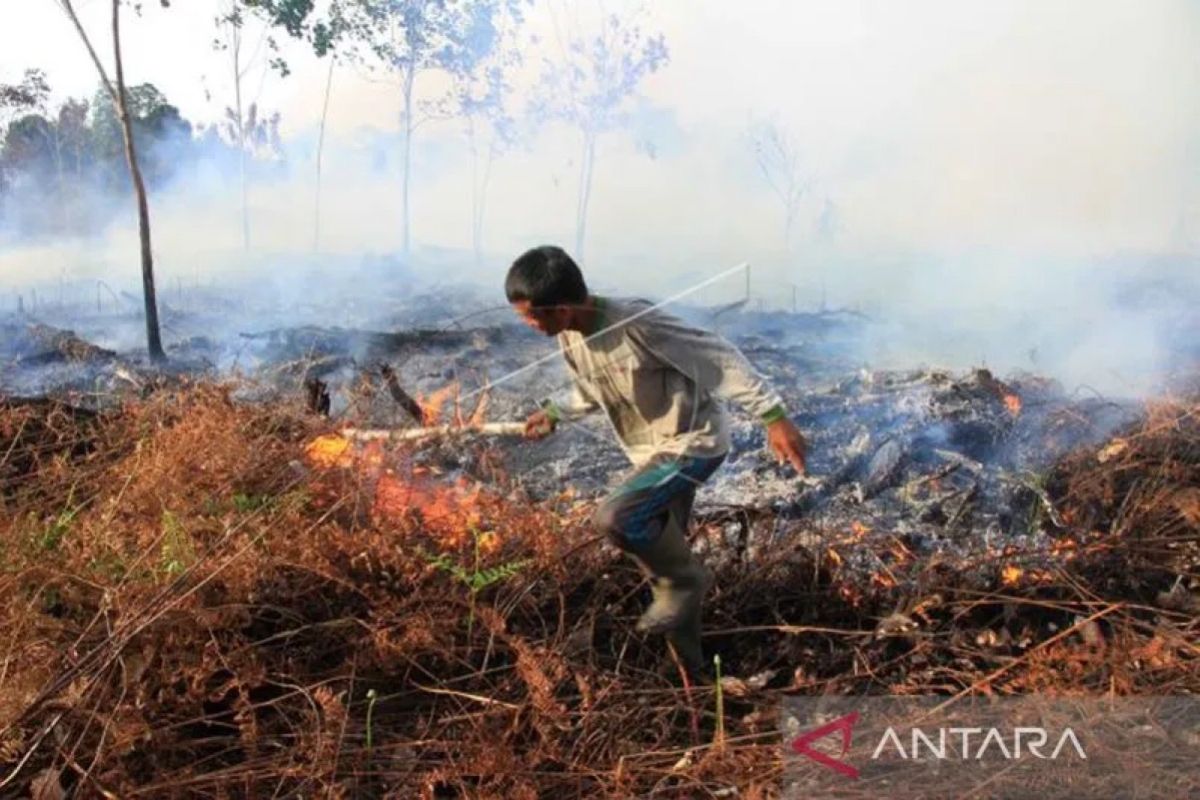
(191, 608)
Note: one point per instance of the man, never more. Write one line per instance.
(658, 381)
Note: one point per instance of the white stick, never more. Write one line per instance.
(409, 434)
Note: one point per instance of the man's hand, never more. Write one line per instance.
(539, 425)
(787, 443)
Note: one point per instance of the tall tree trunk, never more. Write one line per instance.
(320, 151)
(117, 93)
(153, 339)
(236, 36)
(585, 190)
(479, 186)
(408, 131)
(63, 208)
(477, 232)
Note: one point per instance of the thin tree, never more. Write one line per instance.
(233, 45)
(484, 97)
(778, 160)
(119, 97)
(591, 84)
(297, 18)
(412, 37)
(240, 120)
(320, 153)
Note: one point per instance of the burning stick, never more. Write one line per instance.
(409, 434)
(317, 396)
(399, 395)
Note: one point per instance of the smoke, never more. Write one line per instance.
(991, 185)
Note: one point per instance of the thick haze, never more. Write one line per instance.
(988, 176)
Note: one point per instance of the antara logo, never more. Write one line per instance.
(1034, 739)
(843, 725)
(973, 744)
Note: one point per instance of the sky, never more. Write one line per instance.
(955, 152)
(1064, 127)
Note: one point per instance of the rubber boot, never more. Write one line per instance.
(678, 584)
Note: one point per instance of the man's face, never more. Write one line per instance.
(549, 321)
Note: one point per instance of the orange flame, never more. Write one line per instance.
(431, 407)
(1013, 403)
(330, 451)
(883, 580)
(1010, 574)
(454, 513)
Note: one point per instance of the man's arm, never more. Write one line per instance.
(575, 406)
(715, 364)
(710, 361)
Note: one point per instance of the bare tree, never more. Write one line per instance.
(120, 100)
(590, 84)
(242, 118)
(410, 38)
(485, 99)
(233, 45)
(299, 19)
(779, 161)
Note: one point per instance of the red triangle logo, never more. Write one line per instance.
(843, 725)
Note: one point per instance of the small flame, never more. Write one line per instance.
(1064, 547)
(1013, 403)
(883, 580)
(330, 451)
(1010, 574)
(858, 529)
(431, 407)
(453, 512)
(488, 542)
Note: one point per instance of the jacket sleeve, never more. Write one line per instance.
(574, 405)
(709, 360)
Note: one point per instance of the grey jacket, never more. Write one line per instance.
(660, 381)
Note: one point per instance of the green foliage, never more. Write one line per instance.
(56, 163)
(108, 564)
(178, 553)
(58, 528)
(299, 19)
(251, 502)
(28, 95)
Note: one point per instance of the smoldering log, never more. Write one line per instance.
(55, 344)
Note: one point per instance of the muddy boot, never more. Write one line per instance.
(678, 584)
(686, 641)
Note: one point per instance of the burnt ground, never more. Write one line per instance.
(225, 602)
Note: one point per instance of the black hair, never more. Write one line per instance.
(545, 276)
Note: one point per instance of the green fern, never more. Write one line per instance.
(476, 579)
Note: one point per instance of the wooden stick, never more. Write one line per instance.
(410, 434)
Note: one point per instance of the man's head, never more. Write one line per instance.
(546, 288)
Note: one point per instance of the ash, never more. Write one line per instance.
(936, 461)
